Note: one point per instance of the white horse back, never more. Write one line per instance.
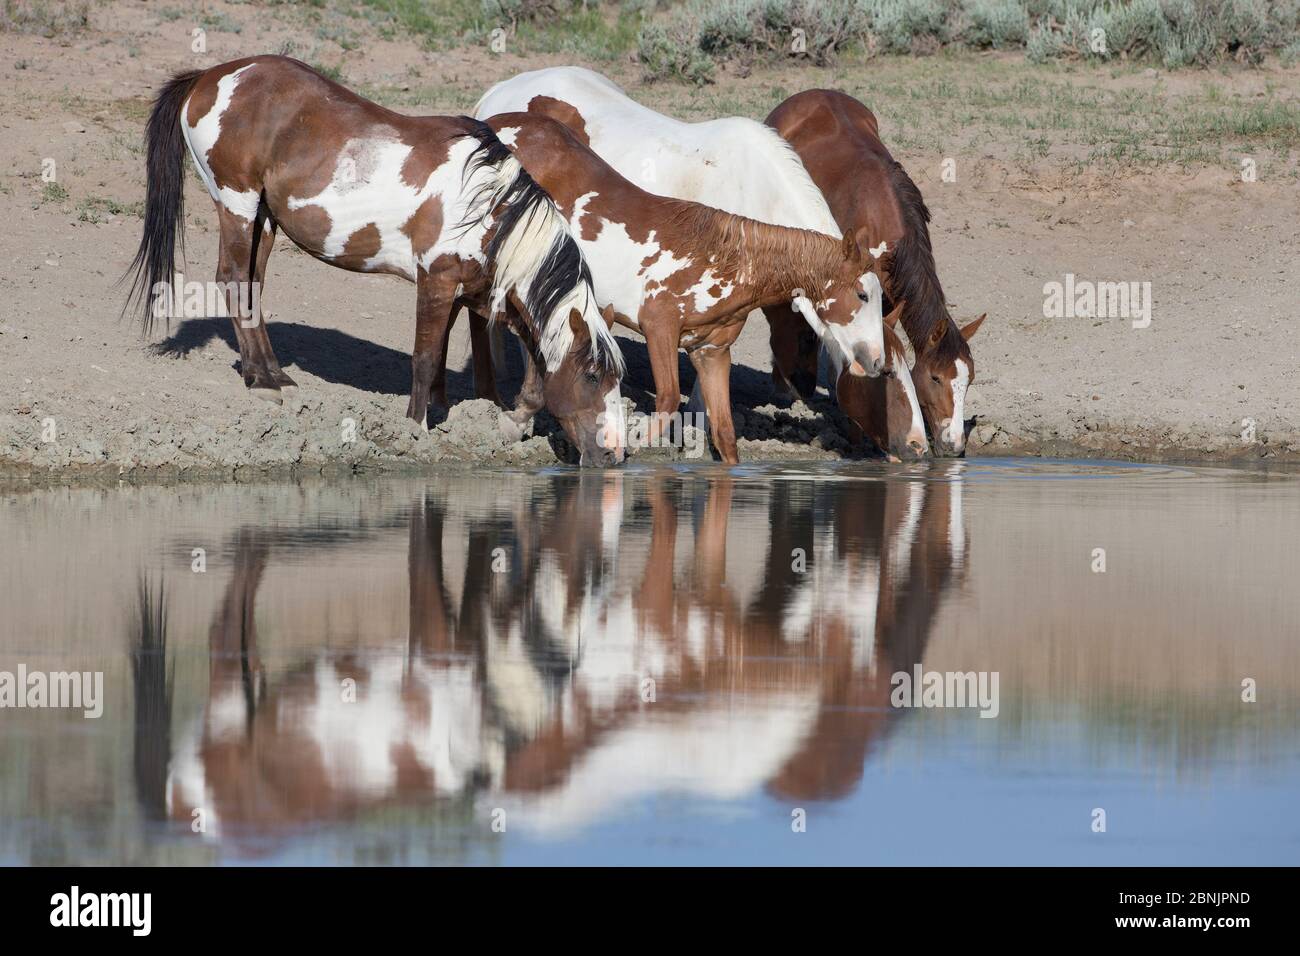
(734, 164)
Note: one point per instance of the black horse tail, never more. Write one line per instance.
(164, 204)
(153, 700)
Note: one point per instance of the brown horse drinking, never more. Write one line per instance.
(686, 275)
(873, 198)
(439, 201)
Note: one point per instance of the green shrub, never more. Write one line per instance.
(996, 23)
(692, 38)
(672, 52)
(47, 19)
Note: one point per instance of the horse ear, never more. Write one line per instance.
(578, 324)
(852, 251)
(970, 328)
(937, 333)
(607, 314)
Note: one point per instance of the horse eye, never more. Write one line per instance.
(935, 379)
(864, 297)
(593, 378)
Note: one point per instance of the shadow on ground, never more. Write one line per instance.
(344, 359)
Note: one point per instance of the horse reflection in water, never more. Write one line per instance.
(586, 660)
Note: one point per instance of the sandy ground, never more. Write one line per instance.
(1215, 375)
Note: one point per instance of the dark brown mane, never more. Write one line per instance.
(913, 278)
(741, 247)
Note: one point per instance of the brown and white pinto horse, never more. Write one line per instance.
(686, 275)
(873, 198)
(438, 201)
(883, 409)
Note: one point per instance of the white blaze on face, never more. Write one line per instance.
(916, 433)
(614, 428)
(954, 429)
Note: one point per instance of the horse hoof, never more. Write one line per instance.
(268, 394)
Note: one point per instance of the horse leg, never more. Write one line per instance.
(258, 336)
(234, 262)
(661, 343)
(435, 295)
(795, 349)
(713, 369)
(480, 340)
(439, 387)
(531, 397)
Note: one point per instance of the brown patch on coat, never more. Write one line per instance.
(561, 112)
(425, 226)
(427, 154)
(362, 246)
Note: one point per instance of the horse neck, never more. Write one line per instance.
(921, 320)
(913, 280)
(764, 263)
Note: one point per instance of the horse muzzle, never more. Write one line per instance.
(867, 361)
(602, 457)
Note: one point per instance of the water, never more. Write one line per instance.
(660, 666)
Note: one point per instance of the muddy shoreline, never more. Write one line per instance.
(316, 437)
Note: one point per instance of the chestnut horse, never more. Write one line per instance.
(439, 201)
(874, 199)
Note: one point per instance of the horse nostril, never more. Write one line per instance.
(916, 446)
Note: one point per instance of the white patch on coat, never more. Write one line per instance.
(617, 261)
(704, 299)
(203, 136)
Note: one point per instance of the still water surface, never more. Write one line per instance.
(662, 665)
